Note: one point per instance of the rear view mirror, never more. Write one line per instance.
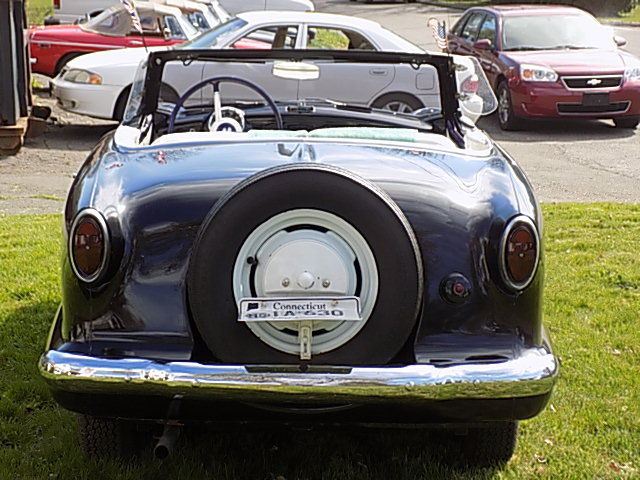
(296, 70)
(166, 33)
(484, 44)
(620, 41)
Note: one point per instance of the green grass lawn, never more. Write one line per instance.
(632, 16)
(591, 429)
(37, 10)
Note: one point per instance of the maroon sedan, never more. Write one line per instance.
(551, 62)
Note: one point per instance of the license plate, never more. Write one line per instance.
(343, 309)
(595, 99)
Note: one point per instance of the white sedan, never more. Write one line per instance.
(238, 6)
(70, 11)
(398, 88)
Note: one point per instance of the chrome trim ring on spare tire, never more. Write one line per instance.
(306, 253)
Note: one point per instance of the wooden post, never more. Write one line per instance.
(14, 76)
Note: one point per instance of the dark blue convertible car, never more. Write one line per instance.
(300, 262)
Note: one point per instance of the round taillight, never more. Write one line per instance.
(88, 245)
(520, 251)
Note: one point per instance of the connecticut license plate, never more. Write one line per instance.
(299, 309)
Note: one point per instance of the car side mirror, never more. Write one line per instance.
(166, 33)
(484, 44)
(620, 41)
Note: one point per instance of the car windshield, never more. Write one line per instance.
(555, 32)
(113, 21)
(235, 91)
(214, 37)
(198, 20)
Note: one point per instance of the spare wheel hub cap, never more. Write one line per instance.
(306, 254)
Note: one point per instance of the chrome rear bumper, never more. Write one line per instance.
(532, 373)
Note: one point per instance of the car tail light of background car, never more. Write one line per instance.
(88, 245)
(56, 4)
(519, 253)
(470, 85)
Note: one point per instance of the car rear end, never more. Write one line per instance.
(218, 275)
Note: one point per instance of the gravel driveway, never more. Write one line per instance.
(566, 161)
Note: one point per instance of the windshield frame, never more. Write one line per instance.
(443, 64)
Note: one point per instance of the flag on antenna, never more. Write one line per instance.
(439, 32)
(135, 19)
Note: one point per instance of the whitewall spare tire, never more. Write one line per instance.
(310, 232)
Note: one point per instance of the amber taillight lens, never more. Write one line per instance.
(88, 246)
(520, 253)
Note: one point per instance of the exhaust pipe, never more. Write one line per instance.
(167, 441)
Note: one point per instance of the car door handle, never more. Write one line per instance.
(379, 71)
(135, 42)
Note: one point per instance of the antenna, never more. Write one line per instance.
(135, 20)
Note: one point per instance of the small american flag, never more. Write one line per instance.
(439, 32)
(135, 19)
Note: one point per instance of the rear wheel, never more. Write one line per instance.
(627, 122)
(492, 444)
(506, 116)
(109, 437)
(398, 102)
(63, 61)
(307, 232)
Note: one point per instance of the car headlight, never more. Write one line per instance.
(537, 73)
(632, 73)
(82, 76)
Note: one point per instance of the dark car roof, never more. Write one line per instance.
(520, 10)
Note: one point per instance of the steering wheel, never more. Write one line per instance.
(217, 106)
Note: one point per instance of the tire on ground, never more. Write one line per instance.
(252, 202)
(488, 445)
(630, 122)
(109, 437)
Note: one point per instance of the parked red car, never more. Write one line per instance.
(551, 62)
(52, 47)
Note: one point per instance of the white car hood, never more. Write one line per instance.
(116, 67)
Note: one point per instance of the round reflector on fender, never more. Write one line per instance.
(519, 253)
(88, 245)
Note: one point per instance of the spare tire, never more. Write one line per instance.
(306, 231)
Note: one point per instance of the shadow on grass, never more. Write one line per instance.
(40, 437)
(326, 454)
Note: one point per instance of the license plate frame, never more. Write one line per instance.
(595, 99)
(299, 309)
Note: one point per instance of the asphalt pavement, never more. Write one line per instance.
(581, 161)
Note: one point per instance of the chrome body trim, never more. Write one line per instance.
(532, 373)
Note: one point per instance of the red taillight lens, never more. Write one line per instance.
(88, 246)
(520, 253)
(56, 4)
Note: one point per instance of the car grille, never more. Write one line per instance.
(616, 107)
(597, 81)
